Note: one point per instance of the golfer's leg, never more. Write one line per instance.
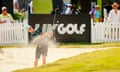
(37, 56)
(36, 62)
(44, 54)
(43, 60)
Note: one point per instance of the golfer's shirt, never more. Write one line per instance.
(40, 41)
(43, 42)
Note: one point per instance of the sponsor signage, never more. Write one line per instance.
(66, 27)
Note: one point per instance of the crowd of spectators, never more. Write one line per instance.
(5, 17)
(24, 7)
(112, 15)
(21, 10)
(68, 9)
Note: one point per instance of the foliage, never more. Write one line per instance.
(42, 6)
(18, 16)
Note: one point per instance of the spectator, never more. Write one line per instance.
(30, 7)
(75, 10)
(22, 4)
(92, 12)
(5, 17)
(68, 9)
(105, 14)
(57, 11)
(114, 14)
(96, 14)
(15, 5)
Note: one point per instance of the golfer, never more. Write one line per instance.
(42, 47)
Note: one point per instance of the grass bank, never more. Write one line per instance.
(87, 45)
(99, 61)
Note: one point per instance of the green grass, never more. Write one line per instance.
(87, 45)
(42, 6)
(99, 61)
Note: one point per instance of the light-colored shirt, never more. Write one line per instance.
(68, 11)
(15, 2)
(114, 17)
(31, 6)
(8, 18)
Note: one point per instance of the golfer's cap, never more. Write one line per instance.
(3, 8)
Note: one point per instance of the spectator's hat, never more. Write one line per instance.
(97, 6)
(4, 8)
(69, 5)
(115, 4)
